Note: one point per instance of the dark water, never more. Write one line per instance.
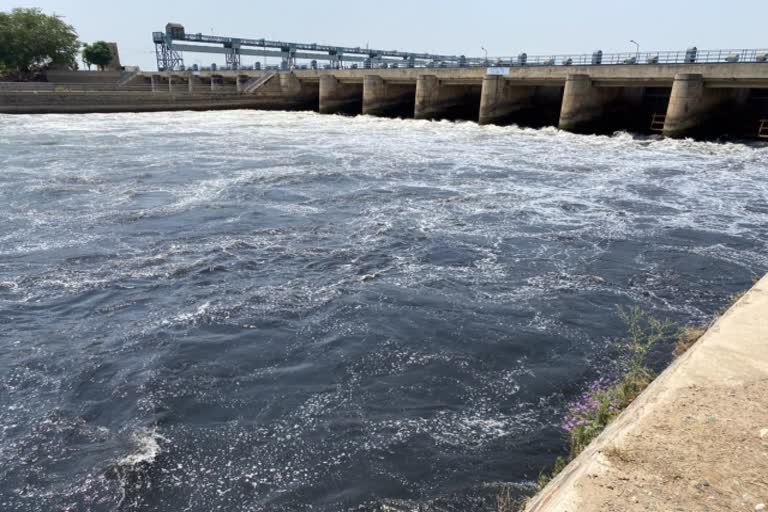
(278, 312)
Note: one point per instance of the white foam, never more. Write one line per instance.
(147, 448)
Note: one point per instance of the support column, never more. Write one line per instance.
(238, 84)
(584, 104)
(152, 83)
(340, 98)
(190, 83)
(213, 83)
(500, 101)
(170, 84)
(289, 83)
(301, 95)
(437, 100)
(691, 105)
(387, 99)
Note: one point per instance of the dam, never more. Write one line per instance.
(691, 93)
(676, 100)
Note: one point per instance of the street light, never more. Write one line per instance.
(486, 54)
(638, 48)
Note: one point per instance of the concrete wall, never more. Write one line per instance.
(102, 102)
(84, 77)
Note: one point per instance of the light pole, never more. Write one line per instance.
(638, 48)
(486, 54)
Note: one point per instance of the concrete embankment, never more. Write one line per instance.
(79, 102)
(696, 439)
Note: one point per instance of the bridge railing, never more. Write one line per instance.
(690, 56)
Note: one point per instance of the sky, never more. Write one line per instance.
(504, 27)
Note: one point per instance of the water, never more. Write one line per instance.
(278, 312)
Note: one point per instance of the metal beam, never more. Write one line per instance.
(271, 53)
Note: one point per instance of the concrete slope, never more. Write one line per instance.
(695, 440)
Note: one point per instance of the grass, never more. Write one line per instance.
(688, 338)
(507, 502)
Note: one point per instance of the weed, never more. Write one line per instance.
(687, 338)
(507, 502)
(546, 476)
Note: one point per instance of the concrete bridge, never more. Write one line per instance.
(675, 100)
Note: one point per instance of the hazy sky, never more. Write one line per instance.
(503, 27)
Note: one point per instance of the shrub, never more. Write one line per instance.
(31, 40)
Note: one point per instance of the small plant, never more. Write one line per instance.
(644, 332)
(605, 399)
(588, 416)
(507, 502)
(546, 476)
(687, 338)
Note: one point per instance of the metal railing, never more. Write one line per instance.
(689, 56)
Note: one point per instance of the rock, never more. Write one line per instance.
(760, 507)
(764, 433)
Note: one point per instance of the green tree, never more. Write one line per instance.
(98, 54)
(31, 40)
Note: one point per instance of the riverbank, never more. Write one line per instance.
(696, 439)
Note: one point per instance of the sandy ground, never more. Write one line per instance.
(712, 457)
(696, 440)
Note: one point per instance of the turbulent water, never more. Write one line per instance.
(292, 312)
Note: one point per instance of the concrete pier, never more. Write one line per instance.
(692, 105)
(501, 100)
(447, 99)
(388, 98)
(523, 102)
(584, 104)
(696, 439)
(337, 97)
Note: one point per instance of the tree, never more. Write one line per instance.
(31, 40)
(98, 54)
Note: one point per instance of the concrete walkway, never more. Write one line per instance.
(695, 440)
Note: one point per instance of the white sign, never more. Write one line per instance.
(498, 71)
